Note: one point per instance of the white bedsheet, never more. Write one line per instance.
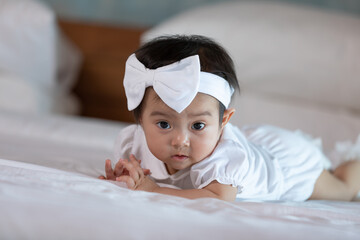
(43, 203)
(49, 190)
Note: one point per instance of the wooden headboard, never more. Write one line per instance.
(104, 50)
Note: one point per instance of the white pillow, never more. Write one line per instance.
(17, 95)
(329, 125)
(282, 50)
(28, 41)
(33, 49)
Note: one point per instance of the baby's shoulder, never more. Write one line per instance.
(125, 140)
(227, 164)
(232, 148)
(232, 139)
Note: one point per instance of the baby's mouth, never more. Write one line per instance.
(179, 157)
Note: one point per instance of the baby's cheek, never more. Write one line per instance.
(154, 144)
(156, 148)
(205, 147)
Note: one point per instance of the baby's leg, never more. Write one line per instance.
(343, 185)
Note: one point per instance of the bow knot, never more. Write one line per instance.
(176, 84)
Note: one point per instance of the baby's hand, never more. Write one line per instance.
(119, 170)
(136, 178)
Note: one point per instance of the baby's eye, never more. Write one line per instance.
(198, 126)
(163, 125)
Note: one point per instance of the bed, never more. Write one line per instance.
(49, 162)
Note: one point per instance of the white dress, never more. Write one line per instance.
(263, 162)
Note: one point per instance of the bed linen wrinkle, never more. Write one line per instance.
(60, 192)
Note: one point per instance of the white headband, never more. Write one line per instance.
(176, 84)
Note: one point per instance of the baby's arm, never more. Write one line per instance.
(213, 190)
(137, 180)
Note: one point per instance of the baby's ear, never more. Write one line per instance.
(227, 115)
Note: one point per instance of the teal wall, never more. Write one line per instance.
(150, 12)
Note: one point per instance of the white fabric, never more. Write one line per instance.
(176, 84)
(267, 164)
(28, 41)
(328, 124)
(217, 87)
(17, 95)
(44, 203)
(33, 49)
(280, 49)
(348, 150)
(72, 144)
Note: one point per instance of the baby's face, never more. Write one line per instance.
(181, 139)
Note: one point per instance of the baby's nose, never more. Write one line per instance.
(181, 139)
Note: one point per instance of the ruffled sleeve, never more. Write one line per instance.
(228, 165)
(124, 142)
(131, 140)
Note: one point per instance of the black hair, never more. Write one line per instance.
(165, 50)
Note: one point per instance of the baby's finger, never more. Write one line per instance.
(135, 171)
(118, 170)
(146, 171)
(130, 183)
(102, 177)
(108, 170)
(134, 160)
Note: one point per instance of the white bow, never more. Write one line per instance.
(176, 84)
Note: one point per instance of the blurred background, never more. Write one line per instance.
(297, 61)
(147, 13)
(68, 56)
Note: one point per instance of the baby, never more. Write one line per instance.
(179, 89)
